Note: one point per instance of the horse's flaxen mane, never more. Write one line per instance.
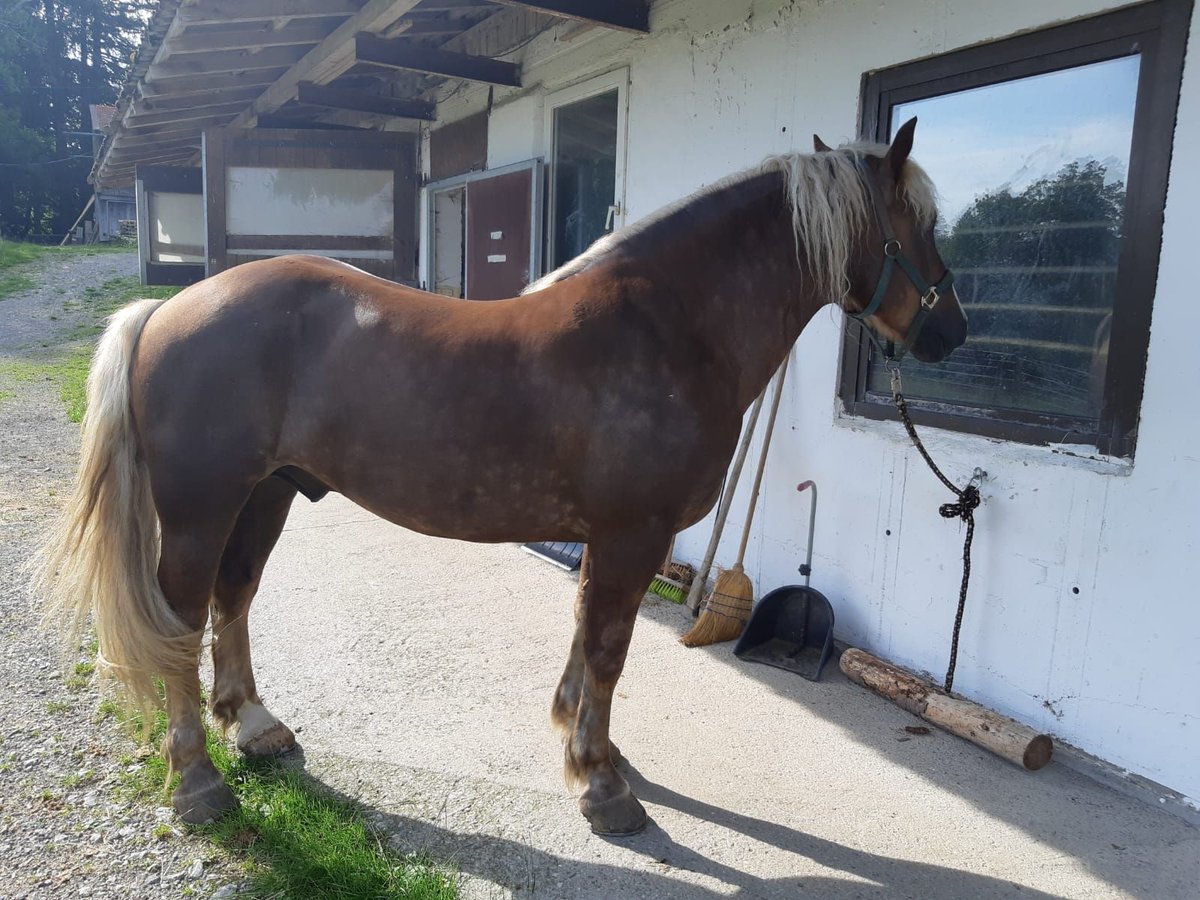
(830, 205)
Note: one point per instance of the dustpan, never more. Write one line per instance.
(792, 627)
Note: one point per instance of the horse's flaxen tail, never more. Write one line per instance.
(102, 555)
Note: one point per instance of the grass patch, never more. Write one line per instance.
(296, 838)
(14, 256)
(68, 366)
(81, 677)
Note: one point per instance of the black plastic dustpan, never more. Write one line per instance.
(792, 627)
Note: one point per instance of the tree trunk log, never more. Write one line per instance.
(1015, 742)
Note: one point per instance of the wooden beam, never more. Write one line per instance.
(443, 5)
(142, 120)
(288, 123)
(251, 37)
(423, 28)
(401, 54)
(228, 61)
(205, 120)
(329, 59)
(202, 84)
(626, 15)
(121, 170)
(137, 149)
(338, 98)
(174, 129)
(188, 101)
(226, 11)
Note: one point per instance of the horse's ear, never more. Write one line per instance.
(897, 153)
(820, 146)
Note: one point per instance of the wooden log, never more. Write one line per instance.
(1001, 735)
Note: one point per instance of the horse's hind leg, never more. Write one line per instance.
(566, 697)
(621, 566)
(234, 697)
(186, 571)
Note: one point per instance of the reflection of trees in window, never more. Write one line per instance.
(1036, 272)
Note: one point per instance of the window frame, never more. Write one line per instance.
(1158, 31)
(618, 80)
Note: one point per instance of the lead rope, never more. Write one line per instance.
(964, 509)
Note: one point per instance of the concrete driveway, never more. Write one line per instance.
(418, 674)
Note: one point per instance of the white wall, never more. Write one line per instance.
(718, 85)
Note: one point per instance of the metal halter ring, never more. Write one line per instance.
(932, 292)
(892, 248)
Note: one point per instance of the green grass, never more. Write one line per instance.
(13, 256)
(297, 839)
(67, 367)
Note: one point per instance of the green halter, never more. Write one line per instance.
(893, 253)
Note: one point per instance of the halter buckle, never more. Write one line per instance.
(931, 298)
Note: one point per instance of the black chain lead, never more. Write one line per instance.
(964, 509)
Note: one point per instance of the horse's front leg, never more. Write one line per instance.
(620, 567)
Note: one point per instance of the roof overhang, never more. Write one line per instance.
(316, 63)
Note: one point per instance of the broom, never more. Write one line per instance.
(732, 596)
(695, 597)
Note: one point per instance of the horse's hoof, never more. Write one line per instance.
(203, 799)
(615, 817)
(275, 741)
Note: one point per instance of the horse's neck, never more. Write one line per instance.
(730, 256)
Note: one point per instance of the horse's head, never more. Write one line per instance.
(899, 285)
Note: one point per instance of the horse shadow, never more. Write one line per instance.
(1113, 836)
(517, 868)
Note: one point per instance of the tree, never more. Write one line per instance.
(56, 58)
(1036, 271)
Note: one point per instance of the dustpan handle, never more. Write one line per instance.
(806, 569)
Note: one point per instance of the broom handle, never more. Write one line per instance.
(693, 598)
(762, 459)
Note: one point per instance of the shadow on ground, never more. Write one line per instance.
(489, 858)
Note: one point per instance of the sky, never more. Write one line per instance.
(1011, 134)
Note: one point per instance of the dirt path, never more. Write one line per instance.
(33, 320)
(65, 829)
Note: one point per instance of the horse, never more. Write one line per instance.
(602, 405)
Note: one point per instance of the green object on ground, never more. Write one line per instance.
(668, 589)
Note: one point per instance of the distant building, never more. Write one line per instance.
(113, 204)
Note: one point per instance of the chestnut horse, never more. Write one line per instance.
(602, 405)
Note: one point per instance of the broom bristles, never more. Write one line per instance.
(726, 613)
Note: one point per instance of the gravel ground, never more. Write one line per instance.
(65, 829)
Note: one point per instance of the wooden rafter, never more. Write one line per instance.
(188, 101)
(329, 59)
(198, 41)
(190, 126)
(205, 111)
(401, 54)
(202, 84)
(229, 61)
(357, 101)
(454, 5)
(626, 15)
(224, 11)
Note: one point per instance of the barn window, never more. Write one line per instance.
(1050, 152)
